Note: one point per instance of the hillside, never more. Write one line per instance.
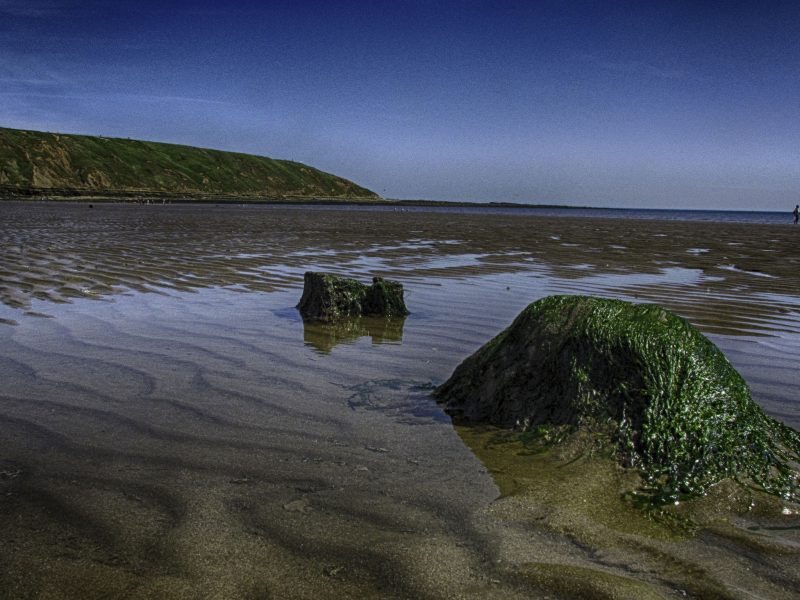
(54, 164)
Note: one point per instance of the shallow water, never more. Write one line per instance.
(171, 427)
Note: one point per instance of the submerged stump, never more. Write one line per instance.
(665, 396)
(329, 298)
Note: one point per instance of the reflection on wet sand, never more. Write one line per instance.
(176, 431)
(324, 336)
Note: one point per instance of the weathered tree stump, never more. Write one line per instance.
(328, 298)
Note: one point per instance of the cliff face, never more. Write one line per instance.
(51, 161)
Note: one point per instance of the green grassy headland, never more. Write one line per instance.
(55, 165)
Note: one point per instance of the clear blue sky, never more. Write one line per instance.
(653, 104)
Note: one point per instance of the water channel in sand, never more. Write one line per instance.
(171, 428)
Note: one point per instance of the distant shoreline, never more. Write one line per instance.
(8, 193)
(63, 195)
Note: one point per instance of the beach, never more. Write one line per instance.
(172, 429)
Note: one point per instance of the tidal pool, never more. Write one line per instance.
(170, 428)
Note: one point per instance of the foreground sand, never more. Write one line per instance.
(174, 431)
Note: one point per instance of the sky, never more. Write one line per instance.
(625, 104)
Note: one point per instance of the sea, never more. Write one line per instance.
(718, 216)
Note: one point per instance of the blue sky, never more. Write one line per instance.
(646, 104)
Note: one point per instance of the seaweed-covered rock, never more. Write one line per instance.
(328, 298)
(384, 298)
(667, 396)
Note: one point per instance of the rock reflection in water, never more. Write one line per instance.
(324, 336)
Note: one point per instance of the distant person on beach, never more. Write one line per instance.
(796, 213)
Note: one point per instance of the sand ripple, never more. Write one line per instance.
(743, 279)
(168, 433)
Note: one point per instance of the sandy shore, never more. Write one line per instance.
(170, 429)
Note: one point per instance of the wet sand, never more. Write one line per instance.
(171, 429)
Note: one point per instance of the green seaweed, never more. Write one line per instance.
(384, 298)
(328, 297)
(672, 404)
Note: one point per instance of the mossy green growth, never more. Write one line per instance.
(384, 298)
(55, 163)
(673, 405)
(331, 298)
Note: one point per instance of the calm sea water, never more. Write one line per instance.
(717, 216)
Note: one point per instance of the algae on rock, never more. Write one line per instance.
(384, 298)
(328, 298)
(672, 404)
